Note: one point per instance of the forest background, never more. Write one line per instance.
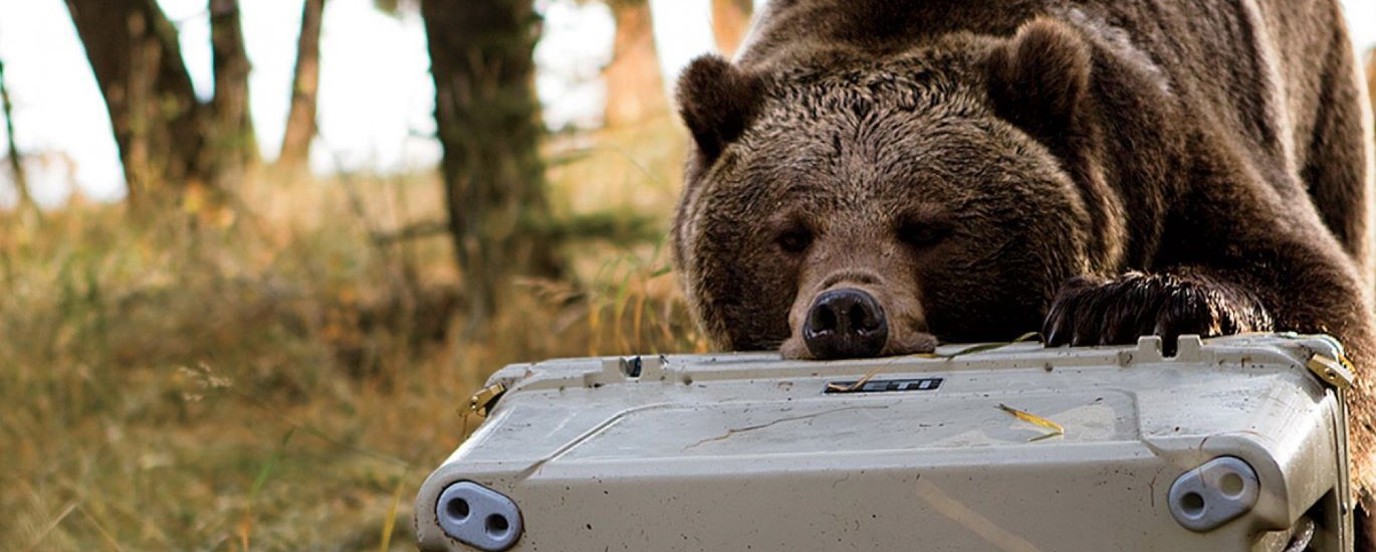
(255, 255)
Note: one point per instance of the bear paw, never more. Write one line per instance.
(1099, 311)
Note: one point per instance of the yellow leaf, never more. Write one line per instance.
(1035, 419)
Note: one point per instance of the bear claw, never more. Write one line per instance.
(1101, 311)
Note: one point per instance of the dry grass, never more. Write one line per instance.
(274, 378)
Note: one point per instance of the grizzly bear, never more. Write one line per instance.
(872, 176)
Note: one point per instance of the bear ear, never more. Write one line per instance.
(1039, 78)
(717, 102)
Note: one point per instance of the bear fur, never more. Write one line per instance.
(1096, 170)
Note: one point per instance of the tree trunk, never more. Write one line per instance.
(488, 121)
(21, 180)
(296, 143)
(1371, 76)
(158, 125)
(730, 21)
(635, 88)
(232, 144)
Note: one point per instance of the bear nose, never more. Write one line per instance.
(845, 323)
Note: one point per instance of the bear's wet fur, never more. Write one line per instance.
(971, 171)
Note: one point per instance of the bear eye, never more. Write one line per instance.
(923, 234)
(794, 239)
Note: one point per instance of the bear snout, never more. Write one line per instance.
(845, 323)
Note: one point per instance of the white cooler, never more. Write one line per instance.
(1235, 443)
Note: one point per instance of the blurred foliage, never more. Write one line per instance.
(275, 376)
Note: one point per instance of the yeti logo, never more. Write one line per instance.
(882, 386)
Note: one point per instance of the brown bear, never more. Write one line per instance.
(871, 176)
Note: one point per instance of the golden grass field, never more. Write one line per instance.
(273, 377)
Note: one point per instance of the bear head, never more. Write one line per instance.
(846, 205)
